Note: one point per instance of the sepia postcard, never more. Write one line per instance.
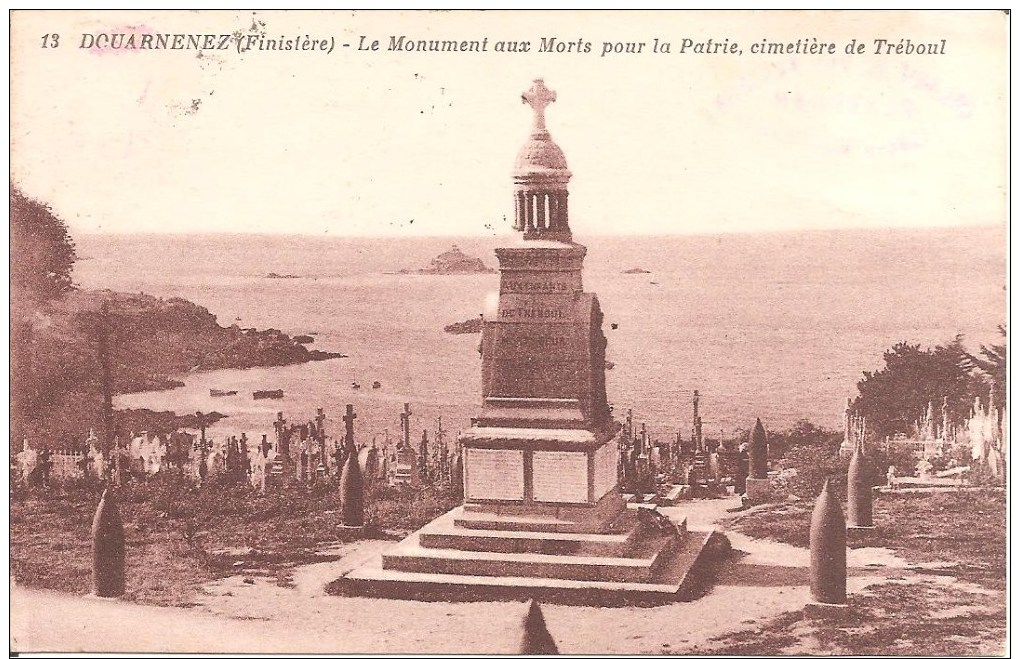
(509, 332)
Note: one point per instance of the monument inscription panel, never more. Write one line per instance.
(545, 283)
(557, 343)
(494, 474)
(560, 476)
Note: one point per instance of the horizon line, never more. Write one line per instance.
(390, 236)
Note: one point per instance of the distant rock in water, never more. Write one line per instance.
(470, 326)
(273, 275)
(637, 271)
(303, 338)
(455, 262)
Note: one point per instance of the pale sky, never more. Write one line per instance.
(399, 143)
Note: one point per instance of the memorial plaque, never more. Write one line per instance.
(560, 476)
(494, 474)
(605, 469)
(540, 310)
(558, 344)
(530, 378)
(544, 283)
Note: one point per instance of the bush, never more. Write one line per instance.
(803, 433)
(811, 465)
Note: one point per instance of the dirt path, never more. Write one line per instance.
(767, 579)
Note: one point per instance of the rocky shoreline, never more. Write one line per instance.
(151, 341)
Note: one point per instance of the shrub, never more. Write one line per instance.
(811, 465)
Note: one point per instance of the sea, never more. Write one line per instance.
(777, 326)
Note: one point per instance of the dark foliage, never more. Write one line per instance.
(896, 396)
(42, 252)
(992, 364)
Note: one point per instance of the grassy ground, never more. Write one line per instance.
(178, 537)
(967, 528)
(918, 619)
(952, 603)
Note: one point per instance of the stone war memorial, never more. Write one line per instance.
(543, 515)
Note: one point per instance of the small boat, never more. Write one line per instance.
(267, 393)
(377, 385)
(355, 385)
(219, 393)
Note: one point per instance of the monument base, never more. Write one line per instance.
(758, 491)
(815, 610)
(629, 562)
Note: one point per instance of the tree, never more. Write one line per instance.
(992, 364)
(41, 259)
(896, 396)
(42, 252)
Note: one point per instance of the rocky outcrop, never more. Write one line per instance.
(152, 342)
(470, 326)
(455, 262)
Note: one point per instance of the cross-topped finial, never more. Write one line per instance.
(349, 418)
(538, 97)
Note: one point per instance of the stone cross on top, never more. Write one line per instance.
(538, 97)
(349, 418)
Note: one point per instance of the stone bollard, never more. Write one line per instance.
(352, 494)
(536, 638)
(828, 549)
(757, 484)
(107, 549)
(858, 492)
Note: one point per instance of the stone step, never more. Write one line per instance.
(676, 579)
(493, 522)
(649, 553)
(530, 542)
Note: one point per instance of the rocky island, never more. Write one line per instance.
(453, 262)
(469, 326)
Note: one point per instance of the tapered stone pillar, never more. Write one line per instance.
(107, 549)
(828, 549)
(352, 483)
(757, 484)
(858, 492)
(536, 637)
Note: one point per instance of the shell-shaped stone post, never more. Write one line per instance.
(828, 549)
(108, 555)
(858, 491)
(759, 452)
(536, 638)
(352, 483)
(352, 494)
